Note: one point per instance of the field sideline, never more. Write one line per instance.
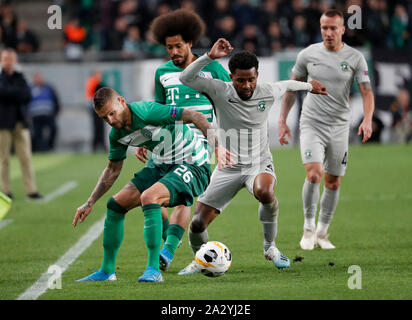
(371, 229)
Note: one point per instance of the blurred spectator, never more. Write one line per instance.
(116, 35)
(275, 39)
(14, 97)
(134, 12)
(188, 5)
(133, 44)
(8, 24)
(245, 14)
(151, 48)
(399, 27)
(225, 28)
(74, 37)
(43, 110)
(376, 22)
(94, 83)
(252, 40)
(27, 41)
(301, 36)
(402, 117)
(268, 12)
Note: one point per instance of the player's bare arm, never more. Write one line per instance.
(287, 103)
(220, 49)
(199, 120)
(368, 99)
(106, 180)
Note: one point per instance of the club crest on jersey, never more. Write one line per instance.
(344, 66)
(261, 106)
(146, 133)
(308, 154)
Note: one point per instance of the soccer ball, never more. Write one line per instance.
(213, 259)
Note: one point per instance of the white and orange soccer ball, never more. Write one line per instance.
(213, 259)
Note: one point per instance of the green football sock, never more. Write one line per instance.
(153, 233)
(165, 226)
(112, 235)
(174, 235)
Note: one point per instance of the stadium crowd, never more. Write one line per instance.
(260, 26)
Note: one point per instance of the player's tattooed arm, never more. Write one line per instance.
(106, 180)
(200, 121)
(368, 99)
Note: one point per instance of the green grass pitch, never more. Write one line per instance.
(371, 229)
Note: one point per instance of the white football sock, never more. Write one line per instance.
(268, 215)
(328, 204)
(310, 198)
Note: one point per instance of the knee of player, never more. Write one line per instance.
(198, 225)
(314, 176)
(265, 195)
(332, 185)
(149, 198)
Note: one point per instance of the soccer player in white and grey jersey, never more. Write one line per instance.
(325, 121)
(242, 107)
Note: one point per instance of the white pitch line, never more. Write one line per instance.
(5, 222)
(59, 191)
(41, 285)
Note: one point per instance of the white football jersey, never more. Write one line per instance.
(242, 124)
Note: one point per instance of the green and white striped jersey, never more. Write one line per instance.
(156, 127)
(170, 91)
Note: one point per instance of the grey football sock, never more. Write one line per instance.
(310, 198)
(268, 215)
(328, 204)
(197, 239)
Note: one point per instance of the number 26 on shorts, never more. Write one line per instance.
(183, 172)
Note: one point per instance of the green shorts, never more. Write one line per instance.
(184, 181)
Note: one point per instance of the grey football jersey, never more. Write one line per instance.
(242, 124)
(336, 70)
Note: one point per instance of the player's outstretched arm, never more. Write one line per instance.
(224, 157)
(368, 100)
(106, 180)
(288, 101)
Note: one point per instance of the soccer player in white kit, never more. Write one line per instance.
(242, 107)
(325, 122)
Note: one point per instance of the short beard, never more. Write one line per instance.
(180, 64)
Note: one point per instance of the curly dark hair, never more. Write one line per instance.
(243, 60)
(182, 22)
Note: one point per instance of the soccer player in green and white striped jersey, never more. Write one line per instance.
(181, 172)
(178, 31)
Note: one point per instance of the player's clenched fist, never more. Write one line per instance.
(318, 87)
(220, 49)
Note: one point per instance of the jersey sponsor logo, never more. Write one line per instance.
(232, 101)
(308, 154)
(261, 106)
(344, 66)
